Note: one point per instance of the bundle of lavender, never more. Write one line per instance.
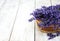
(48, 16)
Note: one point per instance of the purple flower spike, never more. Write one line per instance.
(51, 36)
(31, 19)
(48, 15)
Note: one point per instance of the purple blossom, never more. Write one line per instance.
(53, 35)
(48, 15)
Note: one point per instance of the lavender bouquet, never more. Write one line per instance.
(48, 16)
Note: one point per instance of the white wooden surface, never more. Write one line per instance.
(23, 30)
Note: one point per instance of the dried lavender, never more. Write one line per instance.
(51, 35)
(48, 15)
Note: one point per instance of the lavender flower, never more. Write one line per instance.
(48, 15)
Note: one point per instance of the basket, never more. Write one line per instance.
(49, 29)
